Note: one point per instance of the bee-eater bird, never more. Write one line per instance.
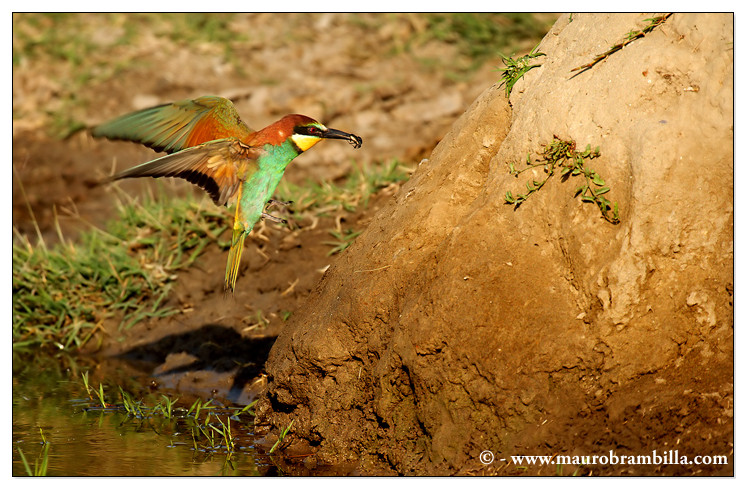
(210, 146)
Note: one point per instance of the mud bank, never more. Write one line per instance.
(457, 324)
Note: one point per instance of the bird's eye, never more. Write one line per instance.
(312, 130)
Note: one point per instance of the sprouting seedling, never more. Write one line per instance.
(246, 409)
(563, 154)
(133, 407)
(257, 320)
(632, 35)
(100, 394)
(283, 434)
(225, 431)
(87, 386)
(198, 406)
(516, 68)
(166, 406)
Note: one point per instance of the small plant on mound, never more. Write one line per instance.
(561, 154)
(516, 68)
(631, 36)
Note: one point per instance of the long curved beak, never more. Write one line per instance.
(355, 141)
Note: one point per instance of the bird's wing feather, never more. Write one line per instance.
(218, 167)
(179, 125)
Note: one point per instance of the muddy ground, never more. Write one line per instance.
(365, 74)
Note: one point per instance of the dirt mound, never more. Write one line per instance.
(457, 324)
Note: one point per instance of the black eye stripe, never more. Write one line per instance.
(307, 130)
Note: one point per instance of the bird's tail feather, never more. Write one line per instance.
(234, 255)
(234, 259)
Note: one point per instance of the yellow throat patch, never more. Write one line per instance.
(304, 142)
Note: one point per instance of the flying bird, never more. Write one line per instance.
(209, 145)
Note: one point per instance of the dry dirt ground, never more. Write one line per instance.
(402, 98)
(367, 74)
(381, 76)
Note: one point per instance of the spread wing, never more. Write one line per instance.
(179, 125)
(218, 167)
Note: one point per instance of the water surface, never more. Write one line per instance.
(85, 440)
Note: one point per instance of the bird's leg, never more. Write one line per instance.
(274, 218)
(272, 202)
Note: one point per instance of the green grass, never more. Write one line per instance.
(477, 37)
(209, 427)
(83, 49)
(330, 199)
(483, 35)
(198, 27)
(52, 36)
(343, 240)
(41, 463)
(71, 46)
(123, 272)
(53, 406)
(281, 438)
(67, 37)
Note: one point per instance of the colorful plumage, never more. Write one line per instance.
(210, 146)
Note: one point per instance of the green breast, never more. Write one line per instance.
(261, 185)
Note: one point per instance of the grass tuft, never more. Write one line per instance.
(41, 464)
(209, 426)
(62, 295)
(123, 272)
(480, 36)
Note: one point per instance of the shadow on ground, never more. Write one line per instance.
(207, 352)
